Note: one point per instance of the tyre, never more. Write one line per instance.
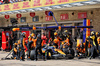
(49, 55)
(71, 54)
(55, 58)
(32, 54)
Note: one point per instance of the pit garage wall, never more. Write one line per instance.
(96, 20)
(94, 16)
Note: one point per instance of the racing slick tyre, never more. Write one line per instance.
(71, 54)
(32, 54)
(49, 54)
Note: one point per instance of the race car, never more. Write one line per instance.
(53, 53)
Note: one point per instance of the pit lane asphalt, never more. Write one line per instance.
(52, 62)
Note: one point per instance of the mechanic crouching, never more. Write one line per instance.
(15, 52)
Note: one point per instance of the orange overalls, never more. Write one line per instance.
(15, 51)
(83, 50)
(67, 42)
(30, 39)
(56, 41)
(79, 48)
(59, 38)
(89, 45)
(24, 42)
(15, 48)
(98, 40)
(34, 43)
(59, 41)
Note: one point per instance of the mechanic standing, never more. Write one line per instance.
(38, 47)
(9, 42)
(92, 39)
(55, 42)
(44, 39)
(29, 45)
(22, 46)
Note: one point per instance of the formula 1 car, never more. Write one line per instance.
(53, 53)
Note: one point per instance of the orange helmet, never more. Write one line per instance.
(55, 33)
(34, 28)
(56, 40)
(96, 33)
(15, 44)
(32, 34)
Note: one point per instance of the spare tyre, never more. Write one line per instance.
(32, 54)
(71, 54)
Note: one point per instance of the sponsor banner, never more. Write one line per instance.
(64, 16)
(82, 15)
(34, 4)
(48, 18)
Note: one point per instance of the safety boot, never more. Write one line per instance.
(89, 58)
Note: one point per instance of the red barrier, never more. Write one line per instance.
(5, 35)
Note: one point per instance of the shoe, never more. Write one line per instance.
(44, 59)
(22, 60)
(35, 60)
(79, 57)
(12, 57)
(17, 58)
(89, 58)
(28, 59)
